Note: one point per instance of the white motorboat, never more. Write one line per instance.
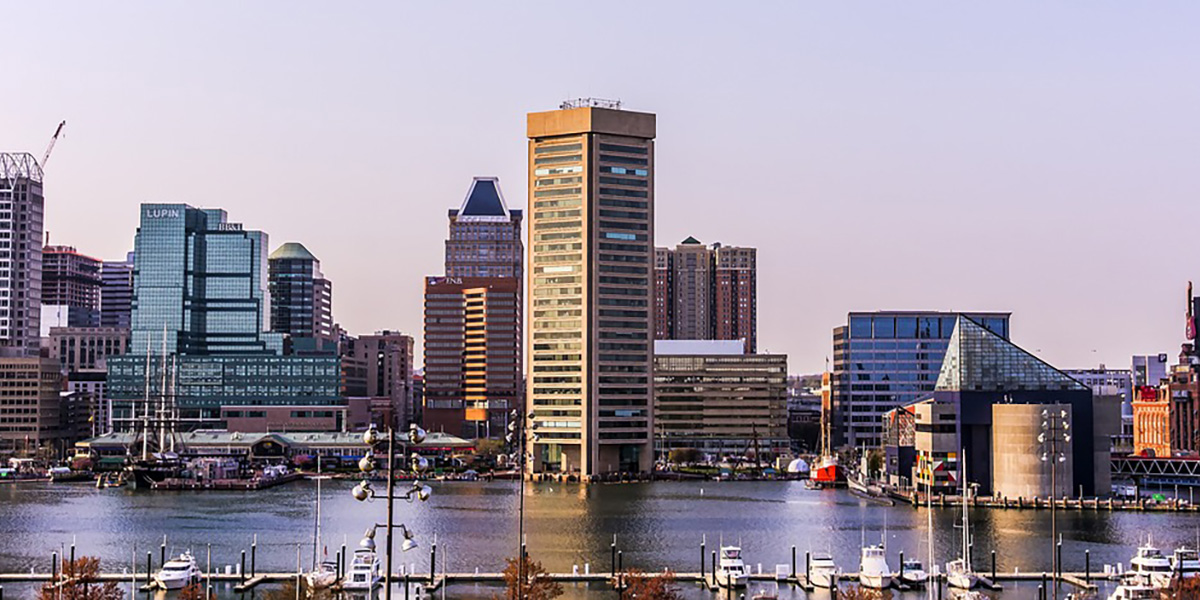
(873, 570)
(365, 570)
(178, 572)
(731, 570)
(1134, 591)
(912, 572)
(1185, 563)
(1150, 567)
(822, 572)
(959, 573)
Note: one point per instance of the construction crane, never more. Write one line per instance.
(53, 139)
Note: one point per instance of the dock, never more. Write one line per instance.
(241, 583)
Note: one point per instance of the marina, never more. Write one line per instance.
(570, 528)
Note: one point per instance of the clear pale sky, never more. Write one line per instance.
(1034, 157)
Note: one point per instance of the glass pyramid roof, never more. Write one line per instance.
(979, 360)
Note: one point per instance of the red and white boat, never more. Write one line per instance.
(826, 472)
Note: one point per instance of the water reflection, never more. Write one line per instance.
(658, 525)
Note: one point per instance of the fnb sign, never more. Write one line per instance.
(163, 213)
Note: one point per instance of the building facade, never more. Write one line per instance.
(32, 419)
(86, 348)
(116, 292)
(22, 210)
(884, 360)
(713, 397)
(472, 354)
(387, 358)
(591, 243)
(485, 235)
(71, 280)
(301, 297)
(707, 293)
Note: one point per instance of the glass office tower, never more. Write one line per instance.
(200, 294)
(884, 360)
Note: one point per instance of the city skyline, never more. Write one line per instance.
(1087, 179)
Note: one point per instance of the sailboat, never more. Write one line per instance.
(958, 571)
(323, 575)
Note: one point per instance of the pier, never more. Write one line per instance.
(1081, 581)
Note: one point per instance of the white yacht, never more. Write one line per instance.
(731, 570)
(1133, 591)
(912, 572)
(1150, 567)
(822, 572)
(873, 571)
(365, 571)
(1185, 562)
(178, 572)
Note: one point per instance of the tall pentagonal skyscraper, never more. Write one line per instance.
(591, 248)
(21, 215)
(485, 235)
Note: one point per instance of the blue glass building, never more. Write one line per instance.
(887, 359)
(201, 323)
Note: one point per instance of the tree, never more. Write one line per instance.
(488, 448)
(193, 591)
(537, 584)
(685, 455)
(1183, 589)
(643, 586)
(79, 580)
(857, 592)
(287, 591)
(874, 462)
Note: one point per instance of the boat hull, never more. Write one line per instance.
(962, 581)
(875, 581)
(824, 579)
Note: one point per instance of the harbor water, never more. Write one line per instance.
(657, 526)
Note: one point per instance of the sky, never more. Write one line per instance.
(1038, 158)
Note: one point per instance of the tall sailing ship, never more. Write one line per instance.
(158, 432)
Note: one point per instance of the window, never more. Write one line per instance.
(885, 327)
(860, 327)
(558, 148)
(625, 149)
(612, 235)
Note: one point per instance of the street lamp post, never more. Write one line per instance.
(418, 491)
(1055, 430)
(519, 436)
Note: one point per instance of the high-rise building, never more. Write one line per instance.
(388, 360)
(591, 247)
(116, 292)
(711, 396)
(200, 322)
(200, 282)
(301, 297)
(884, 360)
(706, 293)
(21, 216)
(472, 354)
(735, 295)
(70, 289)
(485, 236)
(32, 417)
